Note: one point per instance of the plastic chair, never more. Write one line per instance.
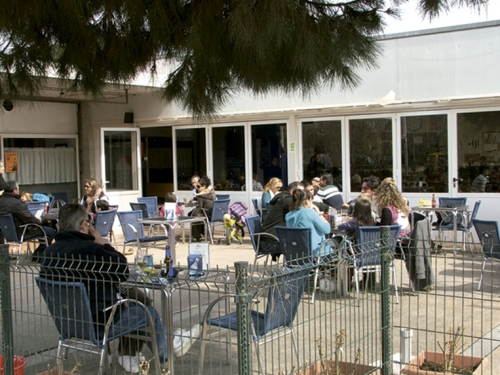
(258, 210)
(256, 235)
(152, 205)
(103, 223)
(222, 196)
(69, 307)
(465, 229)
(56, 205)
(140, 206)
(367, 254)
(487, 231)
(10, 235)
(63, 196)
(286, 287)
(295, 245)
(133, 232)
(219, 208)
(36, 208)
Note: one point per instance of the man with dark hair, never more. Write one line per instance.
(329, 193)
(369, 186)
(11, 203)
(81, 254)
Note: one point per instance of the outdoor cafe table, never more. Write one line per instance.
(215, 277)
(454, 211)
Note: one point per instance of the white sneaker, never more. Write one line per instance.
(129, 363)
(184, 339)
(140, 357)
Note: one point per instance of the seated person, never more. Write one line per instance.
(81, 254)
(11, 203)
(205, 198)
(26, 196)
(362, 216)
(329, 193)
(270, 190)
(278, 208)
(392, 207)
(303, 214)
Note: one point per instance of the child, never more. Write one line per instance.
(362, 216)
(170, 203)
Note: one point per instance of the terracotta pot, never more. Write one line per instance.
(345, 368)
(413, 368)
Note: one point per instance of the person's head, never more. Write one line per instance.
(73, 217)
(102, 205)
(366, 196)
(363, 213)
(273, 185)
(388, 194)
(170, 197)
(91, 186)
(326, 179)
(275, 161)
(294, 185)
(204, 183)
(370, 185)
(12, 187)
(316, 183)
(484, 170)
(301, 197)
(26, 196)
(194, 181)
(308, 186)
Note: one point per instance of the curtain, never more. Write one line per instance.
(43, 165)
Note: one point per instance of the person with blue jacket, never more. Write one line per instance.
(303, 214)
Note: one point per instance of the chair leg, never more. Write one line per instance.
(316, 276)
(356, 277)
(395, 282)
(482, 271)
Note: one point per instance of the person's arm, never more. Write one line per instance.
(385, 217)
(320, 222)
(348, 225)
(23, 214)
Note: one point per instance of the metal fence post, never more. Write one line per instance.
(385, 298)
(243, 301)
(6, 311)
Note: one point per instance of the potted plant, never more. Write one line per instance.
(448, 361)
(337, 366)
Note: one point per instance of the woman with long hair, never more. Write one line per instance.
(93, 193)
(205, 199)
(270, 190)
(303, 214)
(392, 207)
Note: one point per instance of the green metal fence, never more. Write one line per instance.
(376, 333)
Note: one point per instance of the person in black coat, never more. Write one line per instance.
(11, 203)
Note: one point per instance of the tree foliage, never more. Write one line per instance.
(215, 47)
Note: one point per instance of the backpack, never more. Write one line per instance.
(238, 210)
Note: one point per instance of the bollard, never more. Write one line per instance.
(406, 334)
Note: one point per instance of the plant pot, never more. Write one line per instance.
(459, 361)
(345, 368)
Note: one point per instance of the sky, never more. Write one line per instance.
(412, 21)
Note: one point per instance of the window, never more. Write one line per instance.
(424, 145)
(370, 145)
(322, 149)
(228, 158)
(191, 152)
(478, 151)
(121, 160)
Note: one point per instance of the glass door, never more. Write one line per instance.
(120, 163)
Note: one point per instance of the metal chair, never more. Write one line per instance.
(366, 256)
(56, 205)
(285, 290)
(258, 210)
(256, 235)
(10, 235)
(222, 196)
(69, 306)
(489, 235)
(36, 208)
(152, 205)
(219, 208)
(295, 245)
(63, 196)
(103, 223)
(465, 229)
(143, 207)
(133, 232)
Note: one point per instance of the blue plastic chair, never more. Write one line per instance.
(103, 223)
(152, 205)
(295, 245)
(219, 208)
(256, 235)
(285, 290)
(222, 196)
(140, 206)
(133, 232)
(366, 256)
(69, 306)
(489, 235)
(63, 196)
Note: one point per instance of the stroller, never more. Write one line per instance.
(234, 222)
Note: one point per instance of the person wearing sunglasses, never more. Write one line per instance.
(93, 193)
